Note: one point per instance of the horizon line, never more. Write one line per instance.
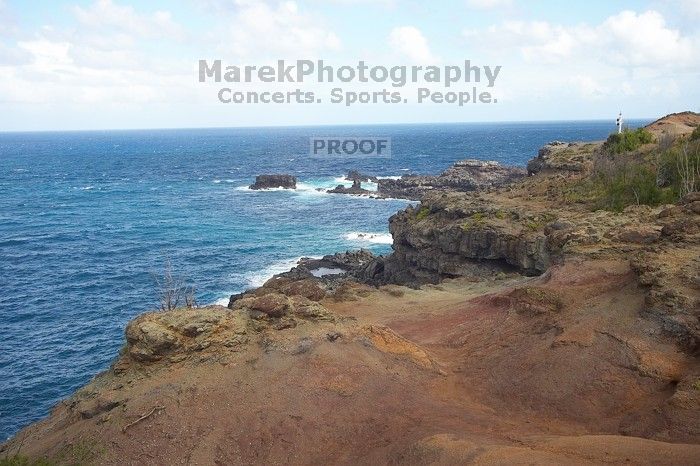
(336, 125)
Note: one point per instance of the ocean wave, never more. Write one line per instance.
(308, 187)
(374, 238)
(320, 187)
(247, 188)
(311, 189)
(223, 301)
(224, 181)
(258, 278)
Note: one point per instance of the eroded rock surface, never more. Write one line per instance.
(463, 176)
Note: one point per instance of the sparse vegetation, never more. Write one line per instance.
(628, 140)
(630, 184)
(656, 176)
(476, 219)
(683, 164)
(422, 213)
(72, 454)
(532, 225)
(19, 460)
(695, 135)
(173, 291)
(538, 222)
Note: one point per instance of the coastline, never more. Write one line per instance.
(501, 260)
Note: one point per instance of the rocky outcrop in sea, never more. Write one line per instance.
(464, 176)
(355, 189)
(274, 181)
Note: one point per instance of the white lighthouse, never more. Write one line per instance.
(619, 123)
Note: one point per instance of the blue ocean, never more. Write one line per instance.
(88, 218)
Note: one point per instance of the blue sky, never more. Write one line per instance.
(100, 64)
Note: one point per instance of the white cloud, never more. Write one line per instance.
(626, 39)
(489, 4)
(259, 30)
(588, 86)
(410, 42)
(101, 61)
(105, 15)
(644, 40)
(690, 7)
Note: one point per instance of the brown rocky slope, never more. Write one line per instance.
(535, 331)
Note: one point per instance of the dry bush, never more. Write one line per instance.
(173, 291)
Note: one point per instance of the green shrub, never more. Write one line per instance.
(478, 217)
(538, 222)
(695, 135)
(475, 220)
(19, 460)
(680, 168)
(631, 184)
(422, 213)
(628, 140)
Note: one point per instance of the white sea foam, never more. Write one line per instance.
(323, 271)
(258, 278)
(370, 185)
(374, 238)
(320, 186)
(247, 188)
(223, 301)
(315, 189)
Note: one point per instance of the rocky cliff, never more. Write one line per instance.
(536, 328)
(531, 225)
(463, 176)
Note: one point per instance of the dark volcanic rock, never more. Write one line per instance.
(561, 156)
(463, 176)
(354, 175)
(445, 237)
(305, 279)
(356, 188)
(349, 262)
(274, 181)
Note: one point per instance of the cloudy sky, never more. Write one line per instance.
(101, 64)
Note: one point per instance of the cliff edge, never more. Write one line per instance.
(552, 320)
